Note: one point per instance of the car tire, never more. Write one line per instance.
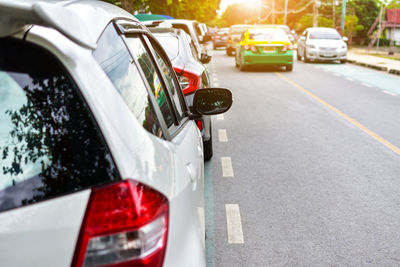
(236, 64)
(298, 55)
(208, 147)
(229, 52)
(242, 67)
(289, 67)
(306, 60)
(343, 61)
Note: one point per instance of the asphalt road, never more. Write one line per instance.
(306, 167)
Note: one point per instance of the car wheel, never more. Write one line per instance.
(342, 61)
(208, 147)
(236, 64)
(229, 52)
(242, 67)
(289, 67)
(298, 55)
(306, 59)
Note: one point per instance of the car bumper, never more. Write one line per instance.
(285, 58)
(327, 56)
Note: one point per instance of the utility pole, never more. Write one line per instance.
(333, 13)
(379, 27)
(285, 12)
(273, 11)
(343, 15)
(315, 13)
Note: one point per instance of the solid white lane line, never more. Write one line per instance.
(220, 117)
(389, 93)
(366, 84)
(234, 224)
(227, 170)
(349, 79)
(222, 136)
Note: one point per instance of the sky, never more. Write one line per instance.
(225, 3)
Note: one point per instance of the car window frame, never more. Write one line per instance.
(153, 43)
(172, 131)
(118, 26)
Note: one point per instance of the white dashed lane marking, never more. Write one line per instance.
(234, 224)
(349, 79)
(227, 170)
(366, 84)
(222, 136)
(389, 93)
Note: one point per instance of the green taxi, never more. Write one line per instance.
(263, 46)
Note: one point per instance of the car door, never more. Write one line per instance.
(186, 231)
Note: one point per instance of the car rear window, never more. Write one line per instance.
(170, 44)
(49, 143)
(331, 35)
(267, 35)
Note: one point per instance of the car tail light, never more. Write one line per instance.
(199, 124)
(125, 224)
(189, 81)
(287, 47)
(251, 48)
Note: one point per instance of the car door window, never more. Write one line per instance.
(170, 81)
(116, 61)
(143, 57)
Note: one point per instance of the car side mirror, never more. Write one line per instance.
(206, 38)
(302, 38)
(212, 101)
(205, 58)
(345, 39)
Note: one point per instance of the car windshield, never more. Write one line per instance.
(267, 34)
(170, 44)
(49, 144)
(331, 35)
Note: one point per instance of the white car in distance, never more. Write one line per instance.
(322, 44)
(101, 161)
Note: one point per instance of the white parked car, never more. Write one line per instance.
(323, 44)
(101, 161)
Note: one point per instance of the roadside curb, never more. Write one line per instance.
(374, 66)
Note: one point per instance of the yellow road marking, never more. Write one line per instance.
(374, 135)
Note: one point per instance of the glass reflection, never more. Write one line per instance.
(49, 144)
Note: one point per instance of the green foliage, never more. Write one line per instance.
(307, 21)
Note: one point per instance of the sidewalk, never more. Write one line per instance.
(360, 57)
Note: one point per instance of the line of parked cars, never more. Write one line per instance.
(271, 44)
(102, 127)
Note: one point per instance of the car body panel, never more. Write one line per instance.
(321, 49)
(235, 33)
(29, 235)
(45, 233)
(267, 52)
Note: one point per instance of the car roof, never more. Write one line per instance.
(321, 28)
(181, 21)
(81, 21)
(241, 25)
